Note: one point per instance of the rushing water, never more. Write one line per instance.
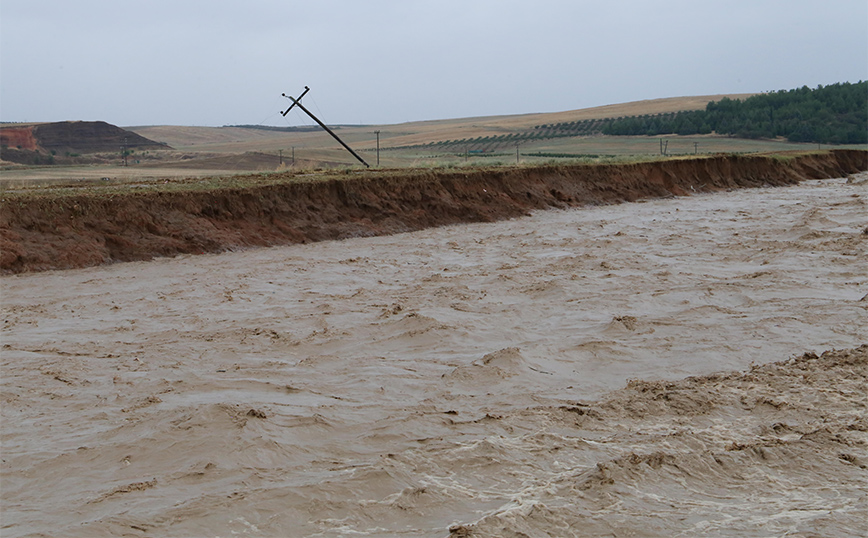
(403, 385)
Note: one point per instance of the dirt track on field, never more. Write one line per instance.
(81, 230)
(474, 380)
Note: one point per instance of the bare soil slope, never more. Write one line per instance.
(79, 230)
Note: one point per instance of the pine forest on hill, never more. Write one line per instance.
(834, 114)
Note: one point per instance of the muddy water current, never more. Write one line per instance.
(542, 375)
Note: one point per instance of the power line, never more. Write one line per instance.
(297, 102)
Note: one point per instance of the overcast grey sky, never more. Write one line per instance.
(220, 62)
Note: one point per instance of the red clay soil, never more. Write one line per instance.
(18, 137)
(42, 233)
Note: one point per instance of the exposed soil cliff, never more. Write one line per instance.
(18, 137)
(58, 232)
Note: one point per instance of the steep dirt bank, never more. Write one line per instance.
(59, 232)
(19, 137)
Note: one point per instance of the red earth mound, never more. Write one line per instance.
(25, 143)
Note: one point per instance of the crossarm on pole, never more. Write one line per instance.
(306, 89)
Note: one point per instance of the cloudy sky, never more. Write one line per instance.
(224, 62)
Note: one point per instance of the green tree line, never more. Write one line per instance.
(834, 114)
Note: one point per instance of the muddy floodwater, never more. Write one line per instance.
(602, 371)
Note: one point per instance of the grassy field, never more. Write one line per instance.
(221, 151)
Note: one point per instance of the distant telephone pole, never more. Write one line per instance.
(378, 147)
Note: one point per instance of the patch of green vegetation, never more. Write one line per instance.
(835, 114)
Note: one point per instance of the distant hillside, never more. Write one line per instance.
(44, 143)
(443, 133)
(299, 129)
(834, 114)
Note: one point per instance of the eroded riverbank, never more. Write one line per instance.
(70, 228)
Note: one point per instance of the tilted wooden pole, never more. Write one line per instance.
(297, 102)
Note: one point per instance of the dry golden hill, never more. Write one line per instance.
(237, 140)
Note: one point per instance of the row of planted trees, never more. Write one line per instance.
(835, 114)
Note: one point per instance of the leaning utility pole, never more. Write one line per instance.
(297, 102)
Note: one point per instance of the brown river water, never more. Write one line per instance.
(553, 375)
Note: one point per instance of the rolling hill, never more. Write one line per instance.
(242, 139)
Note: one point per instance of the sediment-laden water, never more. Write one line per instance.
(555, 375)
